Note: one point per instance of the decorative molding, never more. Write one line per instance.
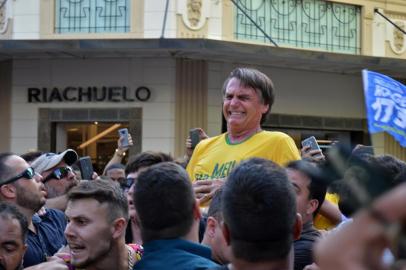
(395, 37)
(4, 17)
(194, 13)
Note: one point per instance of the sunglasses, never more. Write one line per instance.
(58, 173)
(128, 182)
(27, 174)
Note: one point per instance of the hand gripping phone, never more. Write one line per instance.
(86, 167)
(123, 132)
(312, 143)
(194, 135)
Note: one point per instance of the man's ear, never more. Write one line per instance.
(297, 227)
(211, 226)
(8, 191)
(312, 206)
(226, 233)
(196, 210)
(119, 227)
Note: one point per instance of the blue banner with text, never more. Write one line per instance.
(386, 105)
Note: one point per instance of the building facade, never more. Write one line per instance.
(71, 69)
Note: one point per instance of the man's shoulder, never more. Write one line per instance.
(179, 254)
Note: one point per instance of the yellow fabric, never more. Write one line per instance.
(214, 157)
(322, 223)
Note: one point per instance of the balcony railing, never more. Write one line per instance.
(312, 24)
(92, 16)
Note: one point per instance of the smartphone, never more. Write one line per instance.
(123, 132)
(86, 167)
(312, 143)
(194, 134)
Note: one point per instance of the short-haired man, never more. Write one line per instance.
(13, 231)
(116, 172)
(310, 193)
(260, 220)
(58, 176)
(213, 235)
(134, 166)
(169, 215)
(247, 99)
(20, 186)
(97, 214)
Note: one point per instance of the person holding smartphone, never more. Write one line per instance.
(248, 95)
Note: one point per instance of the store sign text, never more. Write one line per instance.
(87, 94)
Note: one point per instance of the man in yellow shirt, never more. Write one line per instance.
(247, 99)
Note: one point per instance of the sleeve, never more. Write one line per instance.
(287, 151)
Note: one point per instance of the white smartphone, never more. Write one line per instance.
(123, 132)
(312, 142)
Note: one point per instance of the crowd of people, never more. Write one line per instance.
(245, 199)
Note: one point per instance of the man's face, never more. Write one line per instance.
(242, 107)
(131, 207)
(116, 175)
(301, 185)
(60, 187)
(30, 193)
(88, 233)
(12, 247)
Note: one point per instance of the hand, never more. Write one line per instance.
(205, 189)
(314, 155)
(95, 176)
(189, 149)
(312, 266)
(122, 148)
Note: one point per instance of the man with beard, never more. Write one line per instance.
(97, 214)
(13, 231)
(21, 186)
(58, 176)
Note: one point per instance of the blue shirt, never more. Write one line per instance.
(175, 254)
(48, 239)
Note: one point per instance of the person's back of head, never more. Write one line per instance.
(144, 160)
(164, 201)
(5, 171)
(259, 209)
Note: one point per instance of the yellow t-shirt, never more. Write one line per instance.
(215, 158)
(322, 223)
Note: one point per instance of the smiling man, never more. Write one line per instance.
(97, 214)
(248, 96)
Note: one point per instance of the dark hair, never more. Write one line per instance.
(104, 192)
(257, 80)
(215, 206)
(381, 172)
(10, 211)
(5, 171)
(317, 187)
(259, 208)
(115, 166)
(145, 159)
(31, 156)
(164, 201)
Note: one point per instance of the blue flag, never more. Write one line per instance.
(386, 105)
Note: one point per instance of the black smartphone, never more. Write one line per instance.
(123, 132)
(194, 135)
(86, 167)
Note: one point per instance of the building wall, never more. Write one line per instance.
(156, 74)
(5, 104)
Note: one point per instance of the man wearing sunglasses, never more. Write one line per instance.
(58, 176)
(21, 186)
